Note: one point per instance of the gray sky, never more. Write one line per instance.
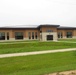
(36, 12)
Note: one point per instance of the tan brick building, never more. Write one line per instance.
(41, 32)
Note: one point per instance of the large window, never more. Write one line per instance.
(60, 35)
(32, 35)
(29, 35)
(2, 36)
(69, 35)
(18, 35)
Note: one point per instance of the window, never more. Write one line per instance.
(18, 35)
(69, 35)
(49, 31)
(2, 36)
(29, 35)
(60, 35)
(32, 35)
(7, 35)
(36, 35)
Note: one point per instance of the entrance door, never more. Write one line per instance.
(49, 37)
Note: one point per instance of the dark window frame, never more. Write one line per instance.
(19, 35)
(29, 35)
(69, 34)
(2, 35)
(36, 35)
(7, 35)
(32, 35)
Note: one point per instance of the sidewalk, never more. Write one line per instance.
(66, 41)
(36, 52)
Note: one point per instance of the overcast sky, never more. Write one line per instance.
(36, 12)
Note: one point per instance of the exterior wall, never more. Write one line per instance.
(44, 29)
(13, 33)
(44, 33)
(44, 36)
(32, 30)
(74, 33)
(25, 33)
(10, 34)
(65, 31)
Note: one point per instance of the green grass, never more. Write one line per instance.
(34, 46)
(38, 64)
(69, 40)
(19, 41)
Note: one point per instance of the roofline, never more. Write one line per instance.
(37, 27)
(48, 25)
(29, 27)
(65, 28)
(17, 28)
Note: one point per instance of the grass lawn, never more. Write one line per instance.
(69, 40)
(38, 64)
(19, 41)
(34, 46)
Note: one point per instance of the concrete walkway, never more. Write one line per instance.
(66, 41)
(36, 52)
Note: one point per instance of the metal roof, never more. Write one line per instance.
(64, 27)
(35, 26)
(52, 25)
(20, 26)
(27, 26)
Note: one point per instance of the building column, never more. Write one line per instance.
(74, 34)
(11, 36)
(64, 34)
(5, 35)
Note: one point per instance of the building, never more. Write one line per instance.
(42, 32)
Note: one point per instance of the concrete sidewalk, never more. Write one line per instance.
(66, 41)
(36, 52)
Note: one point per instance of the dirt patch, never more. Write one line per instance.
(73, 72)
